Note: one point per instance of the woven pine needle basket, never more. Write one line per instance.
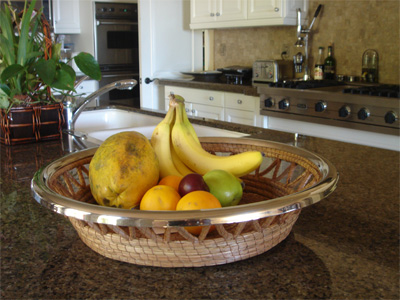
(288, 180)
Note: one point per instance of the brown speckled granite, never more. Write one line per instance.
(344, 247)
(231, 88)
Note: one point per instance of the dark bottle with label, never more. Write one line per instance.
(329, 65)
(319, 65)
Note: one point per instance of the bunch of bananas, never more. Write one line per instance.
(179, 151)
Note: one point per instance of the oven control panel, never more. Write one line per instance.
(120, 11)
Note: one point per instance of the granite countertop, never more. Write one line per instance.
(232, 88)
(344, 247)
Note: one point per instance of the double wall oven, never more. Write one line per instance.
(117, 50)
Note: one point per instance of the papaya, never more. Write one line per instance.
(122, 169)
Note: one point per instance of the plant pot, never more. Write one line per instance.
(30, 124)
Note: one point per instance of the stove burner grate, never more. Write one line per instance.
(304, 85)
(386, 90)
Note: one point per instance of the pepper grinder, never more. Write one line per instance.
(370, 66)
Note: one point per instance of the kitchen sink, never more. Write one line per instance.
(98, 125)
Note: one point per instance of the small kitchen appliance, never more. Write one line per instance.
(265, 71)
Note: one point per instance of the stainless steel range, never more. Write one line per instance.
(373, 108)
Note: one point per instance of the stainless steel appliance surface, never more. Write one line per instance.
(367, 107)
(265, 71)
(117, 50)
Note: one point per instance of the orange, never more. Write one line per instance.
(171, 180)
(160, 197)
(198, 200)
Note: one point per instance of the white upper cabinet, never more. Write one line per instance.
(66, 19)
(208, 14)
(204, 11)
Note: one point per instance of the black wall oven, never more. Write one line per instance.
(117, 50)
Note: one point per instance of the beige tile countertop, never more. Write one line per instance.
(344, 247)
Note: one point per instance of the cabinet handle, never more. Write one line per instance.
(211, 14)
(239, 101)
(187, 110)
(217, 14)
(211, 98)
(276, 9)
(193, 111)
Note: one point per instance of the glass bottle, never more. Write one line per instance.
(319, 65)
(370, 65)
(329, 65)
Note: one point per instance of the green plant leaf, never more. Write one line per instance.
(7, 36)
(46, 70)
(25, 41)
(5, 89)
(88, 65)
(11, 71)
(63, 80)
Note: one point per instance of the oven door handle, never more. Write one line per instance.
(98, 23)
(119, 75)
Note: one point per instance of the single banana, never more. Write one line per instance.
(179, 165)
(161, 142)
(179, 100)
(200, 161)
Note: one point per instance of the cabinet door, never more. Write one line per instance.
(241, 117)
(231, 10)
(202, 11)
(262, 9)
(209, 112)
(206, 97)
(241, 102)
(66, 16)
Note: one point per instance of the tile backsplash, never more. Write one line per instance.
(351, 26)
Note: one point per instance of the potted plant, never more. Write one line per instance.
(31, 71)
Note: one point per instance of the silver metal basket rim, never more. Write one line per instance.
(226, 215)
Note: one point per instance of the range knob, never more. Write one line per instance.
(269, 102)
(103, 9)
(363, 113)
(320, 106)
(344, 111)
(391, 117)
(283, 104)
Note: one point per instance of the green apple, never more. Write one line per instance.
(224, 186)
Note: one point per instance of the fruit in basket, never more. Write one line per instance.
(224, 186)
(171, 180)
(192, 154)
(197, 200)
(160, 197)
(160, 140)
(122, 169)
(180, 152)
(192, 182)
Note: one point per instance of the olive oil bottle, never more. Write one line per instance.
(330, 65)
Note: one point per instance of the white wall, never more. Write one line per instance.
(167, 45)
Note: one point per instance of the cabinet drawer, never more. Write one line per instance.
(240, 101)
(206, 97)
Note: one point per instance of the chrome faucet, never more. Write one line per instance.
(302, 41)
(72, 113)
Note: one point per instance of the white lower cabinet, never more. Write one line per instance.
(242, 109)
(216, 105)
